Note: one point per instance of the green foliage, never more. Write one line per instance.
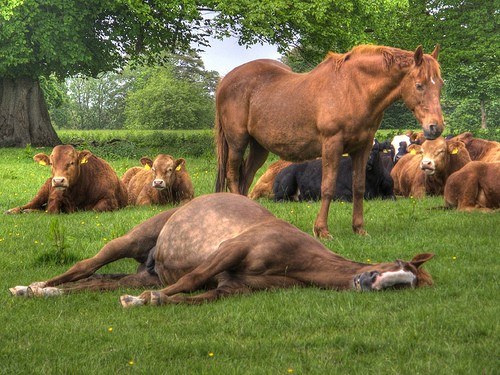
(162, 101)
(60, 254)
(136, 144)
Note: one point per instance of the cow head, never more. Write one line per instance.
(65, 163)
(436, 154)
(398, 274)
(164, 168)
(421, 91)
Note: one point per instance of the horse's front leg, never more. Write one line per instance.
(359, 160)
(331, 154)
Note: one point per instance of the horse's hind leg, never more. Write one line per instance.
(101, 282)
(135, 244)
(235, 170)
(256, 158)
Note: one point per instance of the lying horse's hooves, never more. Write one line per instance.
(19, 291)
(131, 301)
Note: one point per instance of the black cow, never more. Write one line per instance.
(302, 181)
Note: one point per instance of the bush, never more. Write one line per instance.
(135, 144)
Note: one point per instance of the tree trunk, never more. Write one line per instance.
(483, 115)
(24, 118)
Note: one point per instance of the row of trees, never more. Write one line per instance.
(176, 95)
(44, 40)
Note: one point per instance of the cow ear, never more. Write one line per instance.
(147, 162)
(454, 147)
(42, 159)
(435, 53)
(83, 156)
(418, 56)
(414, 149)
(179, 163)
(420, 259)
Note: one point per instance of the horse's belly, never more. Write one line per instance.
(291, 148)
(197, 229)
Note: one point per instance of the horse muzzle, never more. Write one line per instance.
(432, 131)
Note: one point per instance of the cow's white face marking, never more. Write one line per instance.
(391, 278)
(432, 81)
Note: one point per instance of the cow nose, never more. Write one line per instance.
(432, 131)
(426, 163)
(158, 184)
(58, 181)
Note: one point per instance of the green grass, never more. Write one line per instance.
(450, 328)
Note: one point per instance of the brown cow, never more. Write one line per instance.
(474, 187)
(264, 186)
(162, 181)
(80, 181)
(226, 244)
(425, 169)
(480, 149)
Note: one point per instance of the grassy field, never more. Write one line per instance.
(450, 328)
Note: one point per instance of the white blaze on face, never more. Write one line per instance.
(391, 278)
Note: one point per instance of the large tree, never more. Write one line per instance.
(68, 37)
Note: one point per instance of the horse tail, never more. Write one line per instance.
(222, 155)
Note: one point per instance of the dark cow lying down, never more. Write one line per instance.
(80, 181)
(226, 244)
(302, 181)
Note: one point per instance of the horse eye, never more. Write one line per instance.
(419, 86)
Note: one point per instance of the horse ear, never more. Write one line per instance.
(435, 53)
(420, 259)
(419, 56)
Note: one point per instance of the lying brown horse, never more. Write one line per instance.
(334, 109)
(226, 244)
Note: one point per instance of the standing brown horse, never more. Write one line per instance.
(334, 109)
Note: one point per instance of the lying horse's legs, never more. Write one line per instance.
(135, 244)
(359, 160)
(229, 255)
(99, 283)
(256, 158)
(331, 153)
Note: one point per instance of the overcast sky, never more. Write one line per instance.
(223, 56)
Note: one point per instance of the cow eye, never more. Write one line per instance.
(419, 86)
(153, 169)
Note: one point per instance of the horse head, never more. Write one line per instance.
(395, 275)
(421, 91)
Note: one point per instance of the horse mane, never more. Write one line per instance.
(392, 56)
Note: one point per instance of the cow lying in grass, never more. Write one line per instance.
(80, 181)
(426, 168)
(302, 181)
(264, 186)
(162, 181)
(474, 187)
(225, 244)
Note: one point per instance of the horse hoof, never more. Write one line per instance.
(19, 291)
(131, 301)
(155, 298)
